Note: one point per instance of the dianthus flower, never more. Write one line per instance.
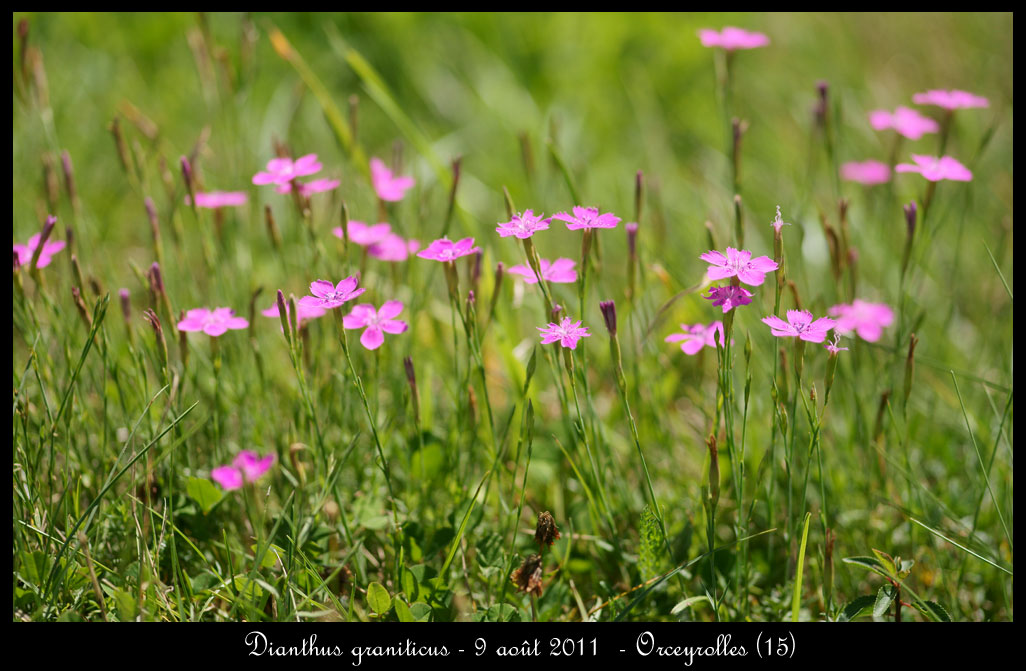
(936, 169)
(246, 467)
(866, 172)
(386, 185)
(328, 296)
(559, 271)
(800, 324)
(832, 347)
(376, 322)
(731, 38)
(587, 217)
(363, 234)
(951, 100)
(212, 322)
(444, 249)
(567, 332)
(308, 189)
(698, 336)
(729, 297)
(216, 199)
(740, 263)
(905, 120)
(523, 225)
(284, 170)
(25, 252)
(393, 248)
(303, 312)
(867, 319)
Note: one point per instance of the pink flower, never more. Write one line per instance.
(388, 187)
(284, 170)
(444, 249)
(247, 467)
(567, 332)
(49, 249)
(738, 262)
(305, 312)
(376, 322)
(560, 271)
(778, 223)
(866, 172)
(362, 234)
(905, 120)
(216, 199)
(308, 189)
(953, 99)
(731, 38)
(800, 324)
(729, 297)
(936, 169)
(328, 296)
(867, 319)
(698, 336)
(523, 225)
(212, 322)
(833, 347)
(393, 248)
(587, 217)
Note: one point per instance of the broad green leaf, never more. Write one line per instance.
(271, 556)
(869, 563)
(933, 610)
(204, 492)
(421, 611)
(884, 599)
(402, 611)
(886, 562)
(378, 598)
(855, 608)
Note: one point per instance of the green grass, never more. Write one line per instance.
(389, 504)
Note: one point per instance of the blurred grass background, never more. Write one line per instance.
(619, 93)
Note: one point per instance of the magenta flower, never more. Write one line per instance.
(800, 324)
(212, 322)
(560, 271)
(950, 100)
(246, 467)
(216, 199)
(304, 312)
(867, 319)
(362, 234)
(444, 249)
(25, 252)
(729, 297)
(832, 347)
(905, 120)
(698, 336)
(308, 189)
(328, 296)
(866, 172)
(587, 217)
(567, 332)
(523, 225)
(388, 187)
(376, 322)
(284, 170)
(740, 263)
(731, 38)
(393, 248)
(936, 169)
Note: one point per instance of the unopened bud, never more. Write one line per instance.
(910, 218)
(126, 303)
(83, 310)
(154, 321)
(639, 195)
(608, 309)
(272, 227)
(714, 470)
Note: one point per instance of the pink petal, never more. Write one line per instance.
(372, 338)
(227, 476)
(321, 288)
(215, 329)
(390, 309)
(393, 326)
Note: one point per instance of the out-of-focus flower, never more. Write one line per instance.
(560, 271)
(953, 99)
(867, 319)
(694, 338)
(246, 467)
(387, 186)
(303, 312)
(216, 199)
(212, 322)
(284, 170)
(936, 169)
(364, 234)
(587, 217)
(731, 38)
(905, 120)
(393, 248)
(866, 172)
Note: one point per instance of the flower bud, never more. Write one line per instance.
(83, 310)
(714, 470)
(910, 365)
(528, 577)
(608, 309)
(69, 179)
(283, 316)
(272, 227)
(151, 317)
